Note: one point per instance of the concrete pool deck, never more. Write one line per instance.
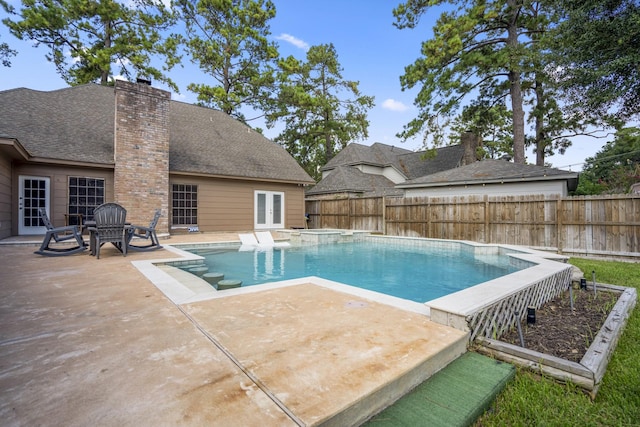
(94, 342)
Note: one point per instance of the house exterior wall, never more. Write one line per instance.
(6, 201)
(506, 189)
(228, 204)
(223, 204)
(59, 196)
(141, 175)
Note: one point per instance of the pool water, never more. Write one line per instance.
(416, 274)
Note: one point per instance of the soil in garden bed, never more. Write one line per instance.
(564, 333)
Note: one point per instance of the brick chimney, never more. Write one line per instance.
(141, 175)
(471, 142)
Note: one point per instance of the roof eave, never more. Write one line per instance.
(566, 177)
(356, 163)
(380, 165)
(48, 161)
(243, 178)
(13, 148)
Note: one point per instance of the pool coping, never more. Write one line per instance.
(480, 309)
(180, 293)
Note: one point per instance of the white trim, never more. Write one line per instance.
(29, 230)
(269, 220)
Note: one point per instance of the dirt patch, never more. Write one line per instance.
(562, 332)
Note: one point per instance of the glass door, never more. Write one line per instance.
(269, 209)
(34, 194)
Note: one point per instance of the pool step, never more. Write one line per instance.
(455, 396)
(399, 386)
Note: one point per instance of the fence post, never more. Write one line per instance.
(351, 227)
(384, 215)
(487, 233)
(559, 222)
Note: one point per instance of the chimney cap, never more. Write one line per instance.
(143, 81)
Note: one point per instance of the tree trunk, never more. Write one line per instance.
(515, 88)
(104, 73)
(541, 143)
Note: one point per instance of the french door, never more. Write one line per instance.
(34, 194)
(269, 209)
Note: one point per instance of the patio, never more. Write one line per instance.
(93, 342)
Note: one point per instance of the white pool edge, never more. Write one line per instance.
(467, 310)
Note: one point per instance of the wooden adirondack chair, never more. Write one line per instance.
(59, 234)
(146, 233)
(110, 228)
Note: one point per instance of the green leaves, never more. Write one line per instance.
(88, 38)
(473, 48)
(614, 168)
(228, 40)
(486, 53)
(596, 49)
(322, 112)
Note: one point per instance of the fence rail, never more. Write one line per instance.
(589, 225)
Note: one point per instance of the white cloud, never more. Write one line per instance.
(293, 40)
(393, 105)
(179, 97)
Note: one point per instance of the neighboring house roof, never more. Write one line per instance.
(409, 163)
(377, 154)
(346, 179)
(492, 171)
(441, 170)
(76, 124)
(415, 165)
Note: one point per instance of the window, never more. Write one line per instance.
(185, 205)
(85, 194)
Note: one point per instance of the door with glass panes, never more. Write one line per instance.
(269, 209)
(34, 194)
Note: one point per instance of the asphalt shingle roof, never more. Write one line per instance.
(347, 179)
(344, 177)
(376, 154)
(490, 171)
(409, 163)
(72, 124)
(414, 165)
(77, 124)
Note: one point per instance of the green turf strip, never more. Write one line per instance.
(455, 396)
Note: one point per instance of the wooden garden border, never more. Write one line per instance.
(589, 372)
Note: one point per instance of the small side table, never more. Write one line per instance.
(78, 220)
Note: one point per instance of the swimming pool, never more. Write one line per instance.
(416, 273)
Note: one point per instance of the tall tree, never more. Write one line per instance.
(87, 38)
(492, 123)
(322, 112)
(596, 50)
(228, 40)
(553, 124)
(475, 45)
(615, 167)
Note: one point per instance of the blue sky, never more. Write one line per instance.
(370, 49)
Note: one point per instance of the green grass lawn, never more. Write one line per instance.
(533, 400)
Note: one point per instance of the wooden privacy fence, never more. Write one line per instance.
(591, 225)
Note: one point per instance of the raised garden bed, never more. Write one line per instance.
(588, 372)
